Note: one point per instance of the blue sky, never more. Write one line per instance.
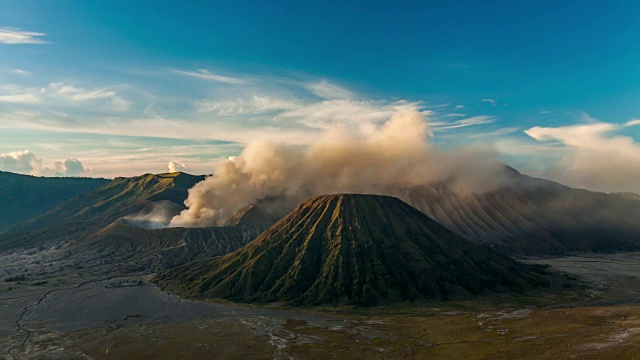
(125, 87)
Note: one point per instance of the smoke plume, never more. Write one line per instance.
(157, 216)
(175, 167)
(377, 160)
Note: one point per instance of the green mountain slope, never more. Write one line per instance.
(358, 249)
(24, 196)
(88, 213)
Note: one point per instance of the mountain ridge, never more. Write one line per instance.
(90, 212)
(25, 196)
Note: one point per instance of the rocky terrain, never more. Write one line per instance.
(56, 267)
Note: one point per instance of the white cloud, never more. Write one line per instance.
(13, 36)
(498, 133)
(76, 94)
(70, 167)
(459, 106)
(26, 162)
(455, 115)
(490, 101)
(594, 157)
(208, 75)
(24, 98)
(472, 121)
(252, 105)
(60, 91)
(23, 162)
(632, 122)
(327, 90)
(362, 114)
(20, 72)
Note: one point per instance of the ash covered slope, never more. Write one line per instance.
(24, 196)
(175, 246)
(359, 249)
(90, 212)
(534, 216)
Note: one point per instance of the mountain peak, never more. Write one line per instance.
(353, 249)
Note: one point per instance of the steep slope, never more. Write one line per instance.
(529, 216)
(359, 249)
(90, 212)
(534, 216)
(169, 246)
(24, 196)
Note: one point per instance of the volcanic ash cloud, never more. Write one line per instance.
(377, 160)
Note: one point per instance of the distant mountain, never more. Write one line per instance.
(352, 249)
(24, 196)
(529, 216)
(87, 214)
(627, 195)
(534, 216)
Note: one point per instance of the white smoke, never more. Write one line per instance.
(176, 167)
(375, 160)
(157, 216)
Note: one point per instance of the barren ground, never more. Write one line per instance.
(62, 309)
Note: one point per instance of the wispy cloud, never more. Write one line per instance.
(20, 98)
(20, 72)
(632, 122)
(455, 115)
(251, 105)
(327, 90)
(61, 92)
(498, 133)
(472, 121)
(208, 75)
(13, 36)
(490, 101)
(361, 114)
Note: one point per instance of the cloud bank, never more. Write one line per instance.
(26, 162)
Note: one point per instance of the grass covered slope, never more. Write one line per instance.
(90, 212)
(352, 249)
(24, 196)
